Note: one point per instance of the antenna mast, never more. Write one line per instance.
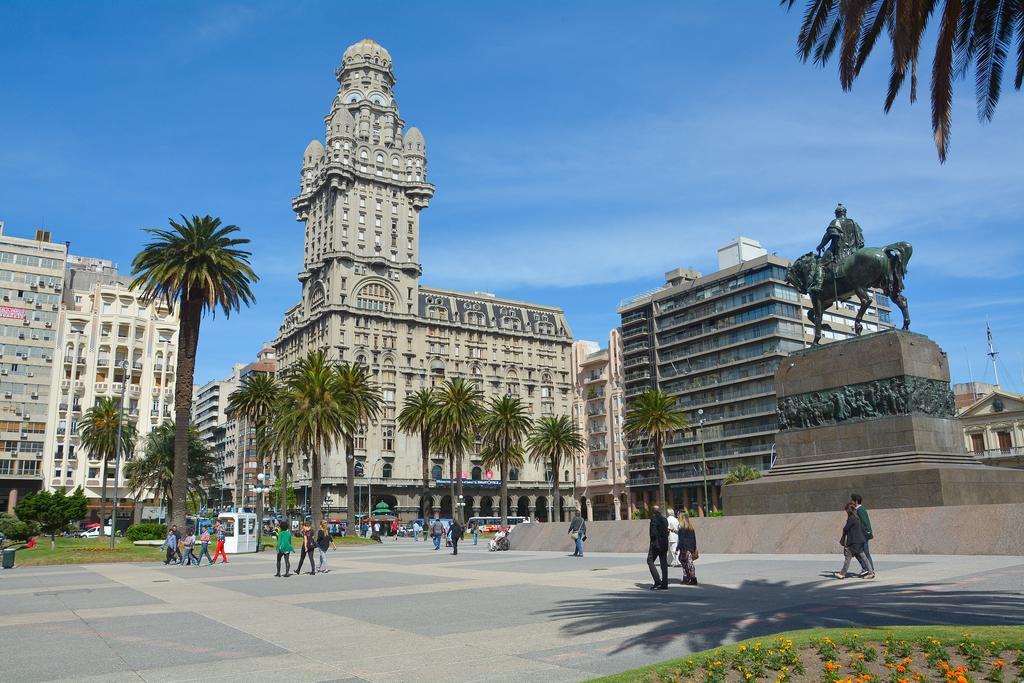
(992, 353)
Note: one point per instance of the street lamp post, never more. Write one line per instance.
(259, 490)
(369, 489)
(704, 460)
(117, 458)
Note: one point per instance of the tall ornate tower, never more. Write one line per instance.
(360, 196)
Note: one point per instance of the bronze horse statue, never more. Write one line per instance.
(862, 269)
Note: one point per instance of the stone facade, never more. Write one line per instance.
(993, 428)
(361, 195)
(597, 410)
(103, 325)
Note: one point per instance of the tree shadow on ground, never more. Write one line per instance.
(690, 619)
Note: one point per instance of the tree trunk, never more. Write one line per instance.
(660, 468)
(188, 341)
(425, 453)
(103, 498)
(451, 461)
(504, 492)
(556, 494)
(456, 508)
(350, 484)
(283, 498)
(315, 494)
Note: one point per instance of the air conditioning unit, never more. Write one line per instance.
(41, 283)
(58, 287)
(26, 322)
(24, 437)
(31, 374)
(21, 335)
(55, 307)
(3, 372)
(35, 396)
(39, 306)
(7, 297)
(26, 417)
(49, 324)
(8, 394)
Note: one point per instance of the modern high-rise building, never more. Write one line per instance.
(229, 437)
(714, 342)
(597, 410)
(362, 191)
(31, 280)
(114, 344)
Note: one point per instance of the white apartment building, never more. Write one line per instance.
(597, 408)
(111, 344)
(31, 280)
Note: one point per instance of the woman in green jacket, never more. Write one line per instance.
(284, 549)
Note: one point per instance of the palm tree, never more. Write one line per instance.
(741, 473)
(504, 427)
(154, 471)
(313, 415)
(196, 264)
(364, 403)
(98, 435)
(553, 441)
(257, 401)
(979, 31)
(653, 415)
(417, 417)
(460, 406)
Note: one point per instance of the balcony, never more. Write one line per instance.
(634, 362)
(998, 453)
(134, 390)
(118, 387)
(636, 346)
(79, 386)
(100, 387)
(635, 333)
(637, 376)
(65, 384)
(634, 317)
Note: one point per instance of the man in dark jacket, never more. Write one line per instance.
(457, 532)
(862, 515)
(658, 550)
(853, 540)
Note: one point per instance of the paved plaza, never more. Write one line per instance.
(403, 612)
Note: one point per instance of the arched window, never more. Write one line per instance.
(380, 159)
(511, 323)
(385, 472)
(316, 298)
(363, 155)
(375, 297)
(476, 318)
(513, 474)
(435, 472)
(394, 162)
(389, 439)
(476, 473)
(437, 312)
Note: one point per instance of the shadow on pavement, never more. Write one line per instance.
(707, 616)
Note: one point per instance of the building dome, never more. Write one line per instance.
(314, 152)
(367, 49)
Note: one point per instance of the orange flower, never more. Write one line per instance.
(901, 668)
(944, 666)
(907, 660)
(888, 666)
(903, 680)
(999, 664)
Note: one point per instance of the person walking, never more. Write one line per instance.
(475, 530)
(219, 550)
(284, 549)
(308, 547)
(204, 545)
(324, 542)
(416, 529)
(862, 515)
(658, 550)
(673, 537)
(853, 540)
(578, 532)
(171, 544)
(456, 532)
(436, 531)
(178, 536)
(189, 544)
(687, 548)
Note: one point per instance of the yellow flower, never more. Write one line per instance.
(748, 677)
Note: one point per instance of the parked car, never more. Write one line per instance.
(91, 533)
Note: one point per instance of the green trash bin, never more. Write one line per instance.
(9, 557)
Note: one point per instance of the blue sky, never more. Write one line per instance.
(579, 149)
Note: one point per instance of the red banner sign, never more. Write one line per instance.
(12, 312)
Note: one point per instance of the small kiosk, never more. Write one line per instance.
(239, 531)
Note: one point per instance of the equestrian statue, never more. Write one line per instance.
(842, 267)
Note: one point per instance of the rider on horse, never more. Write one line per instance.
(842, 237)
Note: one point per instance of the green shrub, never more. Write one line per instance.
(15, 529)
(146, 532)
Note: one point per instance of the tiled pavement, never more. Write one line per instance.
(403, 612)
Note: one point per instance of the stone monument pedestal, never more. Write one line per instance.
(871, 415)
